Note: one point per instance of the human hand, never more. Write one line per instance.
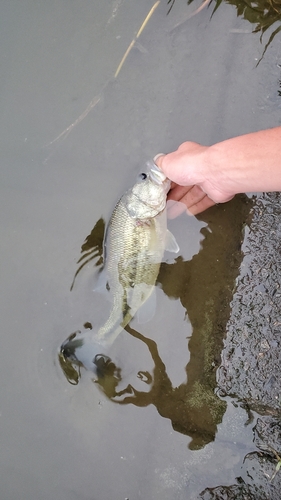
(195, 182)
(204, 176)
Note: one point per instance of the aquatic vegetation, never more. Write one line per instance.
(262, 13)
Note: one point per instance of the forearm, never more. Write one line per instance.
(205, 175)
(246, 163)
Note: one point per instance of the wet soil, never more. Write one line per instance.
(251, 357)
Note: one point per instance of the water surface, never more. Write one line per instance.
(198, 82)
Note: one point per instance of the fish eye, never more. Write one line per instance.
(143, 176)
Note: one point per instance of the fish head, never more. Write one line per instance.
(148, 196)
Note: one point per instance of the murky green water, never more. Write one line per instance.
(155, 439)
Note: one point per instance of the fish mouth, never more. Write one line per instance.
(156, 174)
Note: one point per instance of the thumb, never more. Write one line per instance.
(173, 166)
(184, 166)
(158, 160)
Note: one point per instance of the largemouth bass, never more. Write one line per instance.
(135, 241)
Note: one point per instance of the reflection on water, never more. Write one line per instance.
(91, 248)
(204, 286)
(262, 13)
(193, 409)
(260, 478)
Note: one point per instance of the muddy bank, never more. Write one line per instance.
(250, 367)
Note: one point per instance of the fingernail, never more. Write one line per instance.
(158, 156)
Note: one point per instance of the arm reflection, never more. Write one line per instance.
(204, 285)
(177, 404)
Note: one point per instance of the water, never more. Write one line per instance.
(69, 442)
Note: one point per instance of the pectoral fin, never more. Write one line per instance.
(171, 244)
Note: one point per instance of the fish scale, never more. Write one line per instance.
(132, 265)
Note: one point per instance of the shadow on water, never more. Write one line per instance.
(262, 13)
(204, 285)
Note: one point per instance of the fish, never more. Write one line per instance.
(135, 241)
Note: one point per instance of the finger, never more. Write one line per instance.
(158, 161)
(201, 205)
(170, 165)
(188, 147)
(178, 192)
(192, 200)
(192, 196)
(179, 166)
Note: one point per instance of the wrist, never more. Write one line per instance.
(217, 171)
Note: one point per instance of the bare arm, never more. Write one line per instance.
(205, 175)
